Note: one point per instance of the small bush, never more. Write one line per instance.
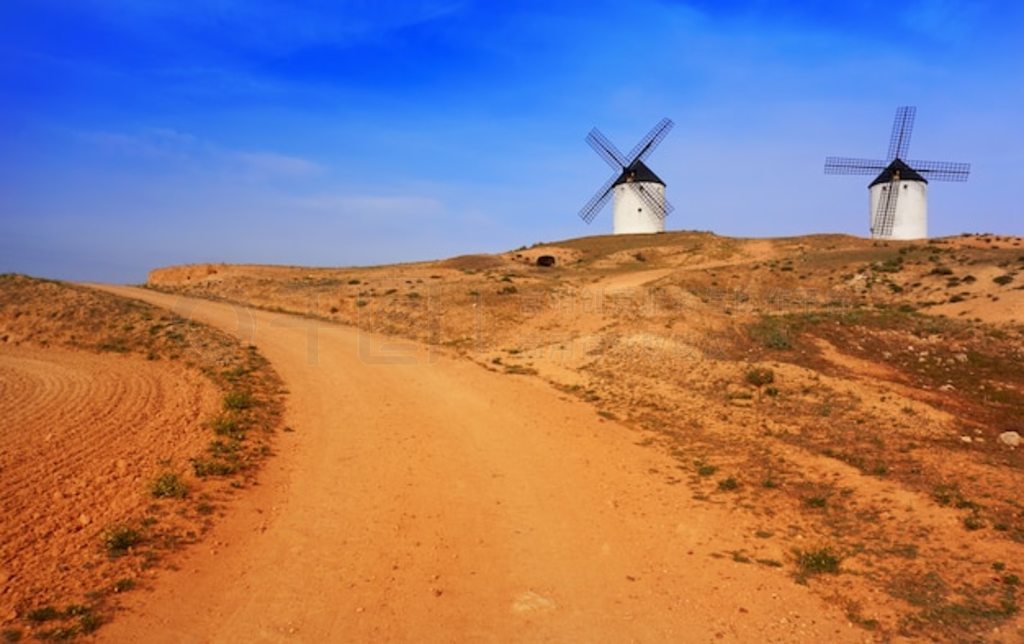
(119, 539)
(941, 270)
(89, 622)
(772, 333)
(203, 467)
(237, 400)
(44, 614)
(11, 635)
(706, 470)
(227, 426)
(728, 485)
(508, 290)
(168, 486)
(760, 376)
(124, 585)
(815, 501)
(1003, 280)
(816, 562)
(973, 522)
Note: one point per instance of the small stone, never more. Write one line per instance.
(1010, 439)
(966, 439)
(960, 357)
(84, 519)
(947, 387)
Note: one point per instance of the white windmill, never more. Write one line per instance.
(898, 197)
(639, 204)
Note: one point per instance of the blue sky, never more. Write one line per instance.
(150, 132)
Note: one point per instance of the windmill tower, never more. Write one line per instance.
(898, 197)
(638, 204)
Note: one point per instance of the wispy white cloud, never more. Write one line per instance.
(372, 205)
(273, 164)
(168, 145)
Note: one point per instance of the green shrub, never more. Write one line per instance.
(124, 585)
(238, 400)
(760, 376)
(44, 614)
(226, 426)
(816, 562)
(203, 467)
(728, 485)
(119, 539)
(168, 486)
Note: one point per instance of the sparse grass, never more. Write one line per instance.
(817, 562)
(119, 539)
(11, 635)
(168, 486)
(203, 467)
(772, 332)
(89, 622)
(44, 614)
(123, 585)
(226, 425)
(238, 400)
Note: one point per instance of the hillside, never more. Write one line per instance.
(852, 403)
(127, 429)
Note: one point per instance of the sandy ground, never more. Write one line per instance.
(425, 498)
(80, 435)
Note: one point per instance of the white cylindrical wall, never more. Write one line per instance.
(911, 219)
(631, 214)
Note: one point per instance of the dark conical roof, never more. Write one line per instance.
(898, 166)
(638, 172)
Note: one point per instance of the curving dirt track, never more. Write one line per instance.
(429, 499)
(80, 432)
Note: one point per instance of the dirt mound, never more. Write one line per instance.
(191, 273)
(472, 262)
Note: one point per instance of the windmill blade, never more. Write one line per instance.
(902, 127)
(885, 213)
(660, 209)
(848, 165)
(606, 149)
(647, 144)
(942, 170)
(600, 198)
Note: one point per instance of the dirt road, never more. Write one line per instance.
(433, 500)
